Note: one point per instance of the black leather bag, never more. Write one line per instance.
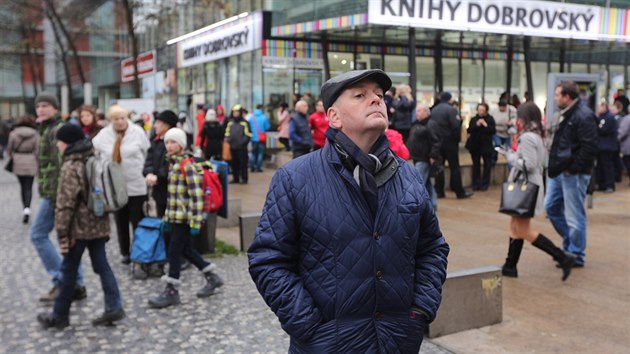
(518, 197)
(9, 165)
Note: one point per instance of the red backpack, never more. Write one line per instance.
(212, 189)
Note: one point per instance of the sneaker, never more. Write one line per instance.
(108, 318)
(26, 214)
(125, 260)
(80, 293)
(47, 320)
(50, 295)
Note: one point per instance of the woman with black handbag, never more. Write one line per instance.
(528, 161)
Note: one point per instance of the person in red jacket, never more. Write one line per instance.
(319, 124)
(396, 144)
(201, 118)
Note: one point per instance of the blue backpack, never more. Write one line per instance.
(148, 243)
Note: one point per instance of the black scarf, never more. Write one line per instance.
(366, 166)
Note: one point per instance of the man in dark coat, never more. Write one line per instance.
(571, 158)
(348, 252)
(300, 131)
(449, 131)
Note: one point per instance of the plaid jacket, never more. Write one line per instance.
(184, 203)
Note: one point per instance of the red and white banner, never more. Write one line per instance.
(146, 65)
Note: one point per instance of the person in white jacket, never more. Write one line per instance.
(126, 144)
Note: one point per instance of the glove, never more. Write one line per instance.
(194, 231)
(165, 227)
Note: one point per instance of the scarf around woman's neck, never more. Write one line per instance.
(366, 166)
(116, 156)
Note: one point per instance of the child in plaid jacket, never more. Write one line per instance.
(183, 218)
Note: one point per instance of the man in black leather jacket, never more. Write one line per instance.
(571, 158)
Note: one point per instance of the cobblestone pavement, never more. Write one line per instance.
(236, 320)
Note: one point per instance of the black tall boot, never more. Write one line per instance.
(565, 260)
(514, 253)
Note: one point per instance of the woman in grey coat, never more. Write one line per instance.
(530, 157)
(22, 147)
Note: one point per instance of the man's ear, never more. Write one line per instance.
(333, 117)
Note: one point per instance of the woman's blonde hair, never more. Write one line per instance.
(117, 111)
(406, 91)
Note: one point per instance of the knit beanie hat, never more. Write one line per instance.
(70, 133)
(47, 97)
(177, 135)
(168, 117)
(211, 115)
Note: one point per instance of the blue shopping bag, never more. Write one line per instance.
(148, 243)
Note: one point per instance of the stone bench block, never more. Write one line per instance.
(234, 210)
(247, 225)
(471, 298)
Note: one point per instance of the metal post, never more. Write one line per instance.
(528, 66)
(439, 77)
(508, 66)
(324, 43)
(562, 54)
(412, 61)
(459, 68)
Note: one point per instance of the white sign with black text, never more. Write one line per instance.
(531, 17)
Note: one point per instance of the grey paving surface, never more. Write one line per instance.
(236, 320)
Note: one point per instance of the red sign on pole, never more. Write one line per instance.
(146, 66)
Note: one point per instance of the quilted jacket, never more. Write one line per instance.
(338, 279)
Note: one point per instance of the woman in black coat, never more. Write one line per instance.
(212, 135)
(479, 143)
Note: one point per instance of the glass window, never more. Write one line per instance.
(340, 63)
(397, 66)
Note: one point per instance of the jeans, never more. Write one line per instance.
(101, 267)
(564, 204)
(258, 152)
(42, 226)
(424, 168)
(501, 142)
(26, 189)
(181, 245)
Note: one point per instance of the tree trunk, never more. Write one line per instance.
(63, 55)
(134, 45)
(29, 58)
(69, 40)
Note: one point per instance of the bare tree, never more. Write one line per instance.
(128, 7)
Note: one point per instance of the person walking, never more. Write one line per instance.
(623, 135)
(126, 144)
(403, 105)
(183, 218)
(284, 120)
(348, 252)
(48, 166)
(424, 147)
(571, 158)
(449, 131)
(299, 131)
(77, 229)
(319, 124)
(212, 135)
(481, 129)
(529, 159)
(238, 135)
(259, 125)
(89, 121)
(22, 148)
(607, 146)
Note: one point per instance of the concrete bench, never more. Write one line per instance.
(471, 298)
(247, 225)
(234, 210)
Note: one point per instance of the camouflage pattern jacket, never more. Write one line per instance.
(184, 203)
(73, 219)
(48, 158)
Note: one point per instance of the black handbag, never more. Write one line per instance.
(518, 197)
(9, 165)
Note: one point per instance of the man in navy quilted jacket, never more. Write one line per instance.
(348, 253)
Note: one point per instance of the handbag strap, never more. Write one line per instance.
(256, 124)
(524, 171)
(17, 149)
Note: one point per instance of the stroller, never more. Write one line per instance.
(148, 252)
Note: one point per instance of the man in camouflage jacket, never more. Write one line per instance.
(49, 163)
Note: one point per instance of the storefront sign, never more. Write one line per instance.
(289, 62)
(531, 17)
(235, 39)
(146, 66)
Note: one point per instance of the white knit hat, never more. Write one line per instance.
(211, 115)
(177, 135)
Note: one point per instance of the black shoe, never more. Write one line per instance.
(80, 293)
(465, 195)
(575, 265)
(108, 318)
(509, 272)
(440, 195)
(244, 182)
(168, 297)
(125, 260)
(25, 219)
(213, 281)
(233, 182)
(47, 320)
(566, 260)
(514, 254)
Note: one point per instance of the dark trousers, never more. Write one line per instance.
(300, 150)
(626, 162)
(285, 142)
(404, 133)
(26, 189)
(69, 268)
(605, 170)
(240, 160)
(132, 212)
(450, 153)
(618, 162)
(481, 181)
(181, 246)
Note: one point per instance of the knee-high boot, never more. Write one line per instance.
(514, 253)
(565, 260)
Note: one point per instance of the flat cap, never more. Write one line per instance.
(332, 88)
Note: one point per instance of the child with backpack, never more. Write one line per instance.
(79, 228)
(183, 218)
